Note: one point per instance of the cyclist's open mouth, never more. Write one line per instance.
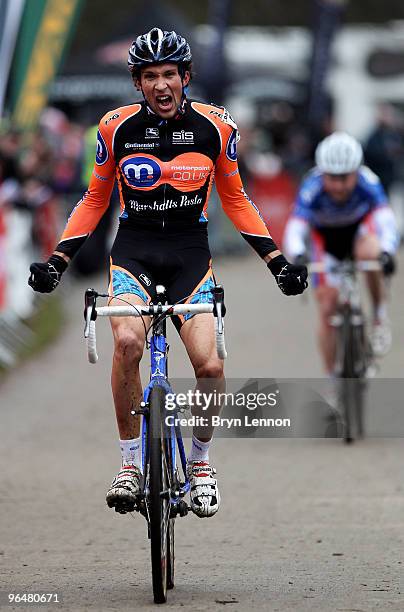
(164, 102)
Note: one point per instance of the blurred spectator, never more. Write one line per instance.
(10, 143)
(297, 152)
(36, 161)
(385, 145)
(34, 168)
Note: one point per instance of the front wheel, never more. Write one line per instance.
(159, 495)
(352, 385)
(170, 555)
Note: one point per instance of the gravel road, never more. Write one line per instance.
(305, 524)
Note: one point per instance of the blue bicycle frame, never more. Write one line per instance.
(159, 376)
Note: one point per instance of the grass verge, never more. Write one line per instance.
(46, 324)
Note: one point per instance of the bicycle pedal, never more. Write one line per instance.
(124, 508)
(180, 508)
(143, 409)
(141, 508)
(182, 409)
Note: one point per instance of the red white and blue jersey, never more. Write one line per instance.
(316, 207)
(337, 224)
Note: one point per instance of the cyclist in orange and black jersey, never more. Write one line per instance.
(164, 171)
(164, 153)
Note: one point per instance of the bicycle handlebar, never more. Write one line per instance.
(92, 343)
(91, 312)
(357, 266)
(153, 309)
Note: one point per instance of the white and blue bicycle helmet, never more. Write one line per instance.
(339, 153)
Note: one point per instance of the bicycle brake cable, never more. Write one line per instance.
(161, 317)
(115, 297)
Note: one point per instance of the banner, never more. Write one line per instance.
(46, 30)
(213, 73)
(10, 17)
(327, 18)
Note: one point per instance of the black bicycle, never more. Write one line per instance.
(355, 361)
(163, 485)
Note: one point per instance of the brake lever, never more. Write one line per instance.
(90, 313)
(218, 300)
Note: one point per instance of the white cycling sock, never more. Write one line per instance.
(131, 452)
(199, 450)
(380, 312)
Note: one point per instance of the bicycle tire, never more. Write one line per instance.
(352, 376)
(361, 361)
(170, 462)
(170, 555)
(158, 504)
(359, 405)
(347, 375)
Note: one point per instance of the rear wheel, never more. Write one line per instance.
(159, 495)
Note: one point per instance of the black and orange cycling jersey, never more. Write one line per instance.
(164, 171)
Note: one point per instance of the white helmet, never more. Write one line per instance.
(339, 153)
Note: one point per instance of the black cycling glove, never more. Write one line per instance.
(291, 278)
(45, 277)
(388, 263)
